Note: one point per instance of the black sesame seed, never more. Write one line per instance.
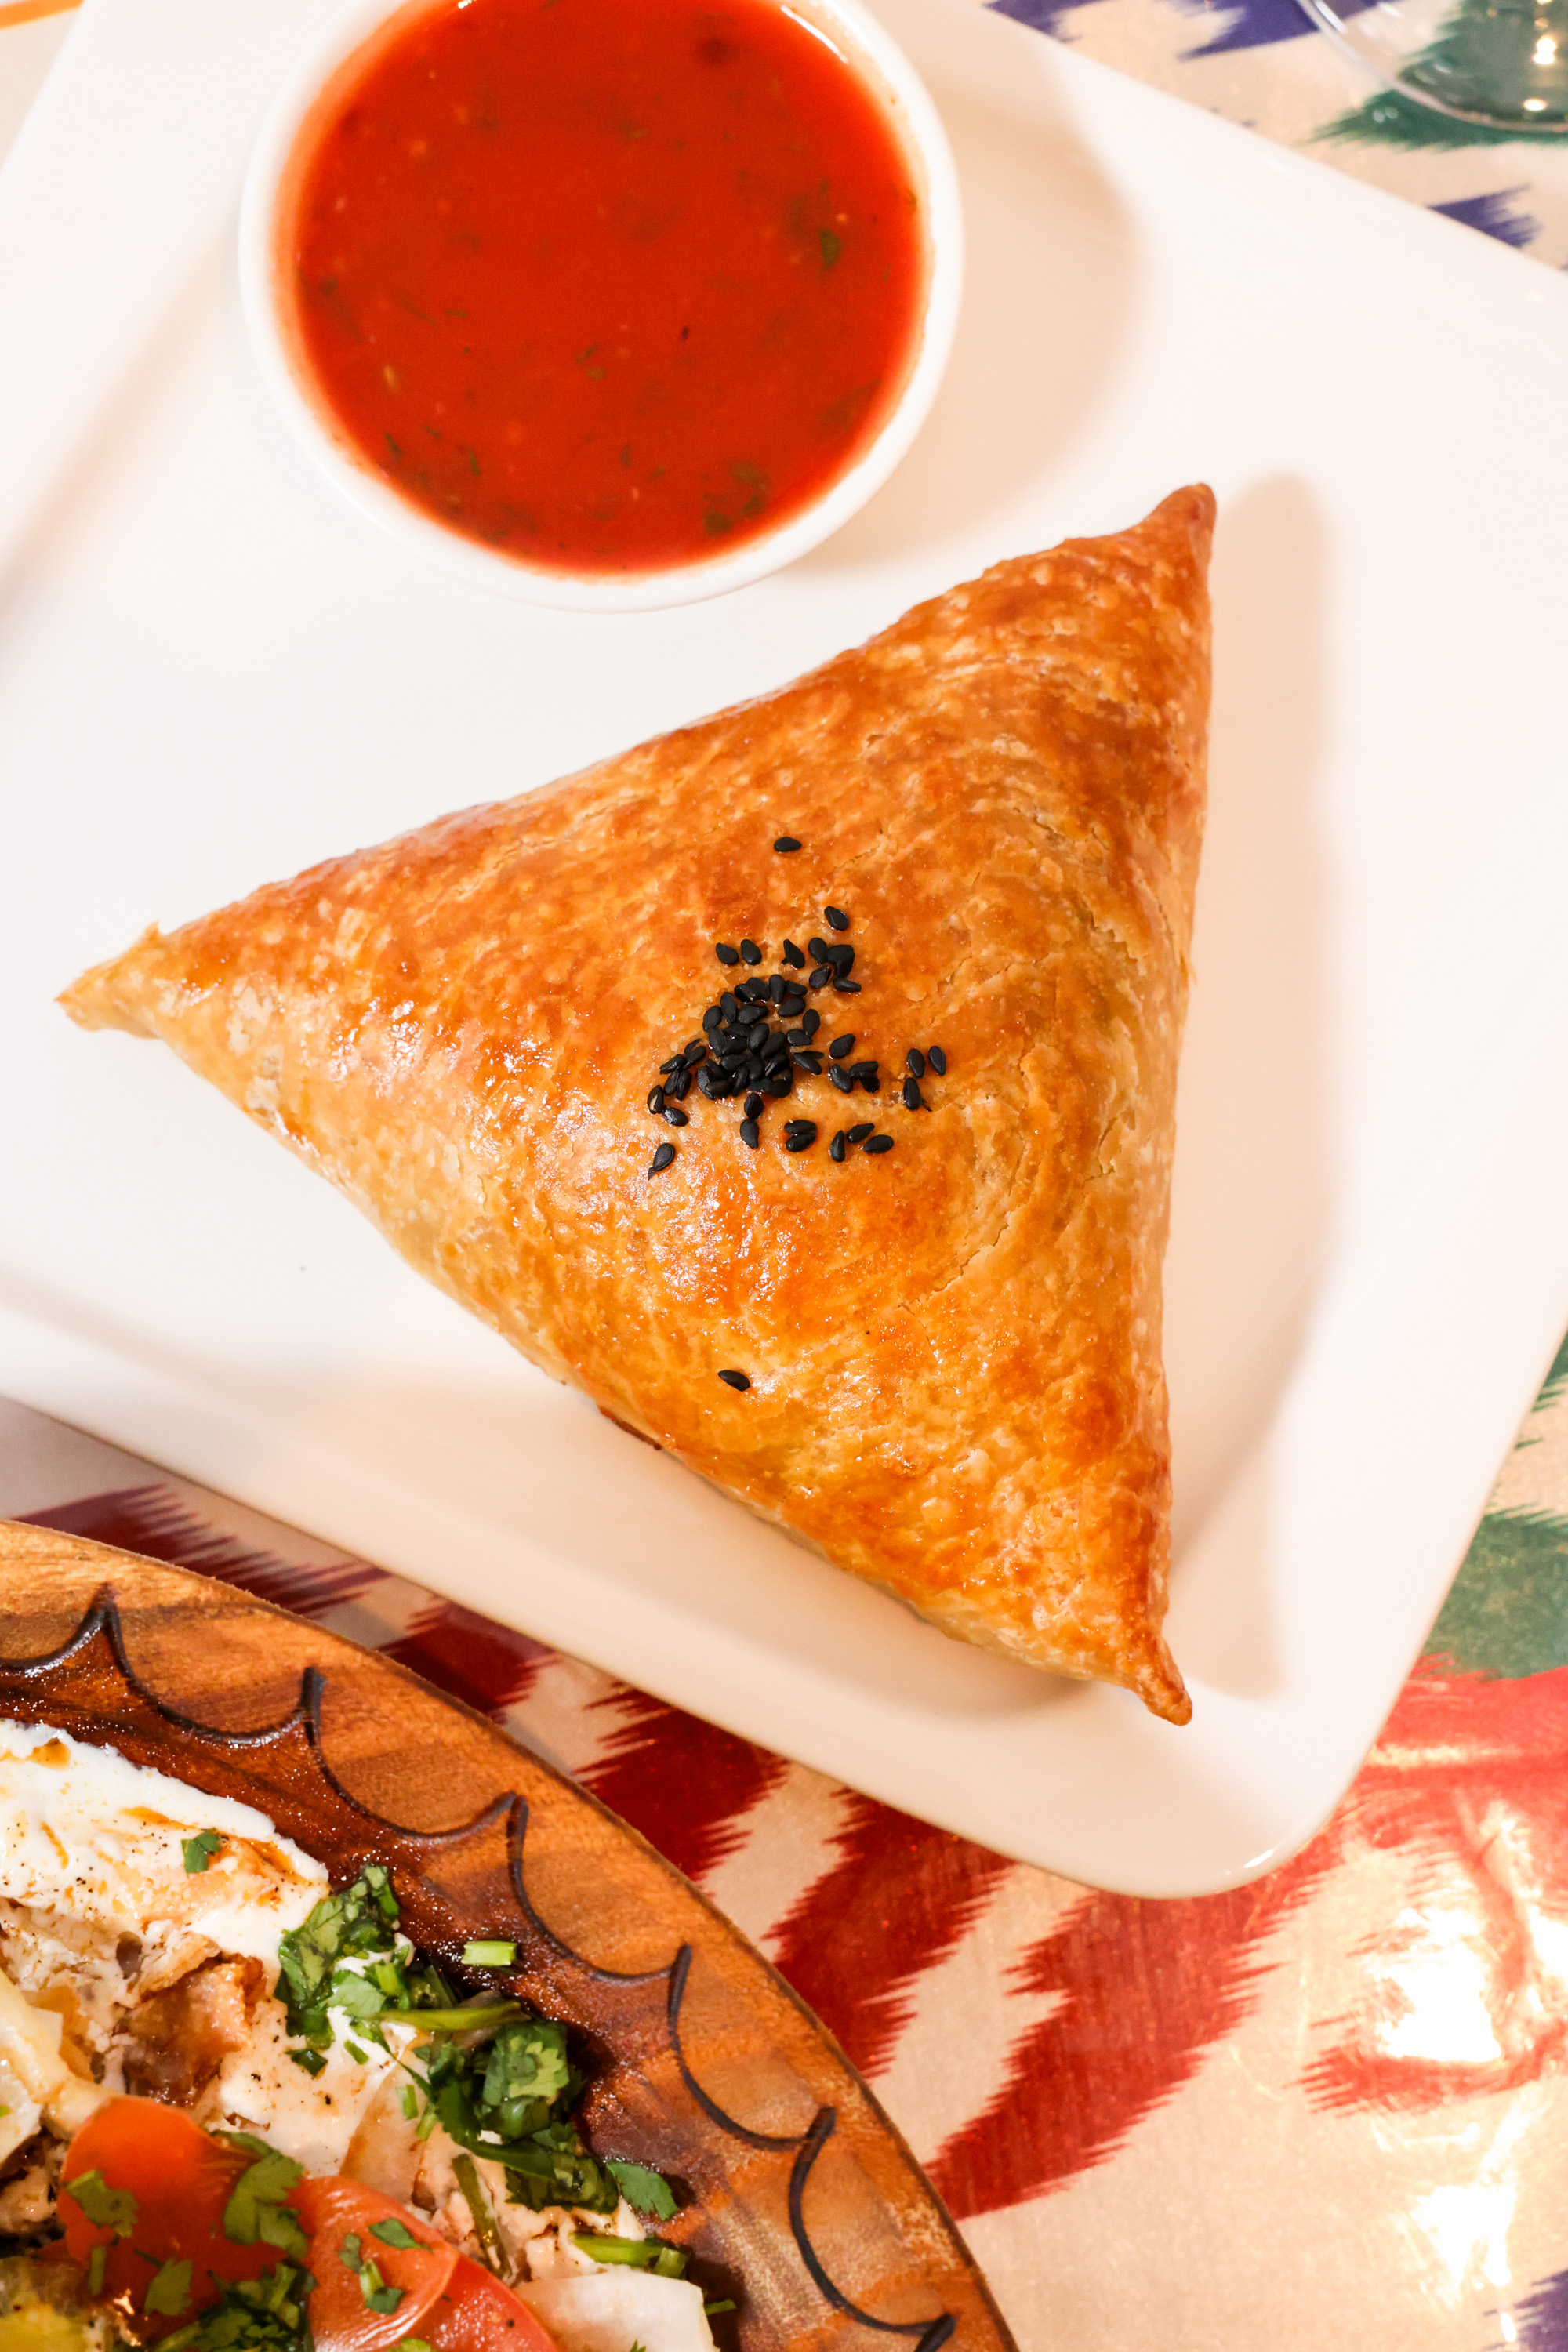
(793, 956)
(753, 1104)
(842, 1045)
(680, 1086)
(862, 1069)
(878, 1143)
(757, 1036)
(750, 951)
(734, 1057)
(810, 1062)
(752, 1069)
(841, 1078)
(842, 958)
(712, 1018)
(729, 1005)
(811, 1023)
(778, 987)
(859, 1134)
(656, 1099)
(668, 1069)
(756, 991)
(838, 919)
(819, 950)
(786, 843)
(913, 1097)
(847, 987)
(709, 1079)
(661, 1159)
(779, 1083)
(800, 1134)
(696, 1049)
(937, 1060)
(835, 1149)
(751, 1134)
(735, 1380)
(872, 1086)
(675, 1115)
(726, 954)
(822, 975)
(721, 1084)
(915, 1063)
(793, 1001)
(798, 1038)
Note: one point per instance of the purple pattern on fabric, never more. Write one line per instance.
(1495, 216)
(1253, 24)
(1242, 25)
(157, 1523)
(1542, 2317)
(1045, 16)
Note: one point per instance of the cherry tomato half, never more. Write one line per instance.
(182, 2180)
(342, 2320)
(477, 2313)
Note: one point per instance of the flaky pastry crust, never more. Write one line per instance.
(955, 1349)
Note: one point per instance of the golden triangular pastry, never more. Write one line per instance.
(953, 1344)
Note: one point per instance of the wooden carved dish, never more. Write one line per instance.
(798, 2197)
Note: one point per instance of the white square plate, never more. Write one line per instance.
(210, 678)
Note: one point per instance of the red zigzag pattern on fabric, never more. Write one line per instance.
(1147, 1987)
(685, 1784)
(895, 1903)
(155, 1522)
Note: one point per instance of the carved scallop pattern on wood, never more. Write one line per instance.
(800, 2198)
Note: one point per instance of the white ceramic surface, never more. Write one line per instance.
(863, 45)
(210, 676)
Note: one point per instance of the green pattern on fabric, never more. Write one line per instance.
(1391, 120)
(1556, 1380)
(1506, 1615)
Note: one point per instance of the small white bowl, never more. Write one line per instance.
(862, 45)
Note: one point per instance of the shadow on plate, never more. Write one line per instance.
(1039, 335)
(1254, 1188)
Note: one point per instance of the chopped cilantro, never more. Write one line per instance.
(258, 2211)
(358, 1996)
(717, 2304)
(486, 2228)
(394, 2232)
(377, 2295)
(408, 2100)
(106, 2208)
(168, 2290)
(95, 2268)
(361, 2057)
(488, 1954)
(502, 2100)
(638, 2254)
(311, 2060)
(525, 2063)
(362, 1919)
(263, 2314)
(830, 246)
(474, 2019)
(351, 2251)
(647, 2190)
(199, 1850)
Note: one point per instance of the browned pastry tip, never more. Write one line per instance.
(951, 1347)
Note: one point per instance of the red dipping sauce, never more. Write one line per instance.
(611, 286)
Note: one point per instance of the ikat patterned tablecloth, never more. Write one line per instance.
(1330, 2109)
(1327, 2110)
